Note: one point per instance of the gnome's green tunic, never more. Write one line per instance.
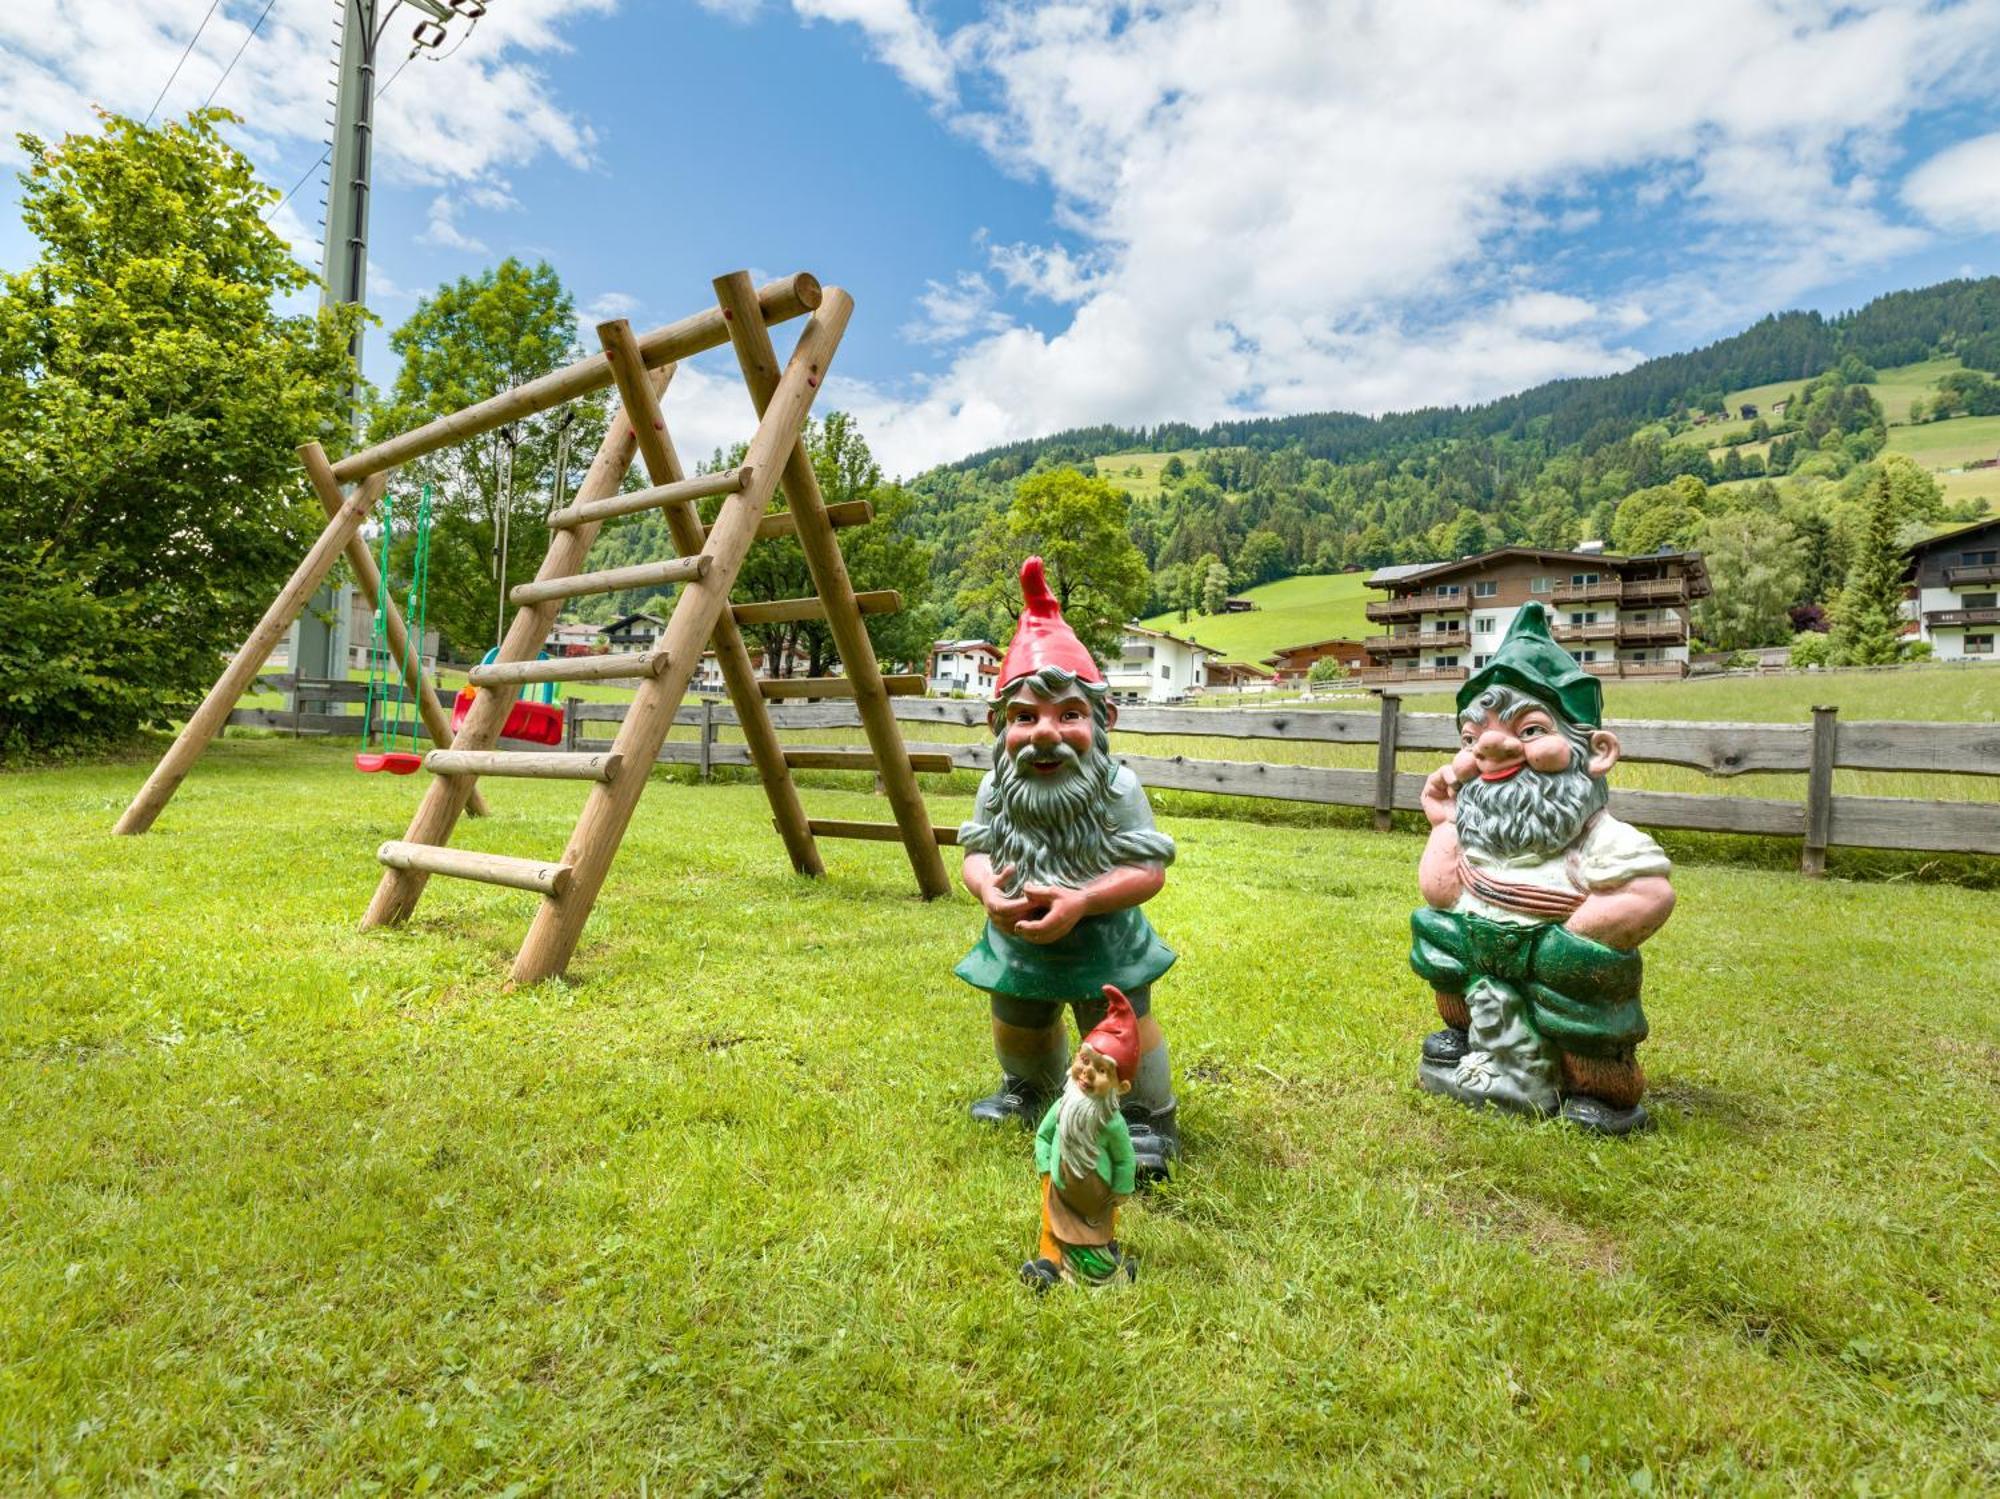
(1581, 995)
(1119, 948)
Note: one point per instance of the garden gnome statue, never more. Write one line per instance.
(1084, 1154)
(1536, 897)
(1062, 851)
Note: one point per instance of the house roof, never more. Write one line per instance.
(1193, 645)
(1432, 570)
(966, 645)
(1384, 575)
(1955, 535)
(626, 621)
(1283, 651)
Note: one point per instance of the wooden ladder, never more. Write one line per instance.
(707, 565)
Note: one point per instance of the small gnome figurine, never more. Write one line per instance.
(1062, 852)
(1084, 1154)
(1536, 897)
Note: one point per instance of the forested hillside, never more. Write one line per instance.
(1637, 460)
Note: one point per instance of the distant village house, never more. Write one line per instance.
(1955, 583)
(1294, 663)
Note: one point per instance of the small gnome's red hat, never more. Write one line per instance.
(1041, 636)
(1117, 1035)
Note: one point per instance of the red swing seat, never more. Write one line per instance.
(538, 723)
(396, 762)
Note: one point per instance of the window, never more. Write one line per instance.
(1540, 585)
(1484, 624)
(1449, 625)
(1586, 655)
(1979, 559)
(1447, 590)
(1445, 661)
(1979, 645)
(1583, 617)
(1979, 600)
(1479, 661)
(1485, 590)
(1167, 672)
(1582, 580)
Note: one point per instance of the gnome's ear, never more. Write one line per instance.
(1110, 713)
(1603, 752)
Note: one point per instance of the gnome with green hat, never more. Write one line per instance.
(1536, 898)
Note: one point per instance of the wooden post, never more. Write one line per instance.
(754, 354)
(572, 722)
(664, 466)
(707, 738)
(1819, 792)
(437, 814)
(207, 720)
(1385, 763)
(437, 722)
(700, 608)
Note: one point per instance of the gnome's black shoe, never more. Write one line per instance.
(1016, 1102)
(1446, 1048)
(1156, 1140)
(1040, 1275)
(1599, 1117)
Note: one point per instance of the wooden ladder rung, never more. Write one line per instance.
(464, 864)
(846, 513)
(612, 667)
(860, 759)
(686, 491)
(910, 686)
(551, 765)
(777, 611)
(874, 832)
(612, 580)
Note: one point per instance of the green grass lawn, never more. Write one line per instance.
(290, 1207)
(1292, 611)
(1895, 388)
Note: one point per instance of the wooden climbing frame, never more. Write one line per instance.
(707, 563)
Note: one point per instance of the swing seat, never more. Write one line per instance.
(538, 723)
(396, 762)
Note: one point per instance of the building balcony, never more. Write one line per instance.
(1584, 593)
(1385, 611)
(1935, 617)
(1976, 572)
(1604, 629)
(1654, 591)
(1384, 674)
(1663, 632)
(1415, 640)
(1635, 668)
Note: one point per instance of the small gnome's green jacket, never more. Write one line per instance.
(1115, 1162)
(1119, 947)
(1582, 996)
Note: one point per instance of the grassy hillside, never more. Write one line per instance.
(1895, 388)
(1943, 446)
(1138, 474)
(1291, 611)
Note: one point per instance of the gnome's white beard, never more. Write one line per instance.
(1531, 812)
(1080, 1122)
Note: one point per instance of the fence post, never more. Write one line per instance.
(707, 737)
(1819, 793)
(1385, 763)
(572, 722)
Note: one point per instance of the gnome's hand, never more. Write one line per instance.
(1440, 794)
(1065, 908)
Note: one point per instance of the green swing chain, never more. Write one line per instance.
(378, 645)
(416, 610)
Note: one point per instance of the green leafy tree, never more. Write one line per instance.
(1867, 618)
(474, 338)
(1077, 525)
(1261, 559)
(1324, 671)
(1215, 589)
(150, 403)
(1669, 514)
(1753, 563)
(1467, 535)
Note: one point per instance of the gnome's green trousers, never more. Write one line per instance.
(1583, 997)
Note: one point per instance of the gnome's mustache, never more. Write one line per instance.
(1028, 754)
(1535, 812)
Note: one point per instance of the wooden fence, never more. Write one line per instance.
(1813, 749)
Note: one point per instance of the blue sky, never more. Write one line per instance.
(1059, 214)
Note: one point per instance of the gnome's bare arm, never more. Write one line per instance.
(1625, 915)
(1437, 871)
(984, 881)
(1114, 890)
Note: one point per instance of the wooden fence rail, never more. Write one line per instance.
(1814, 750)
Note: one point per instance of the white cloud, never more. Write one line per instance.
(442, 228)
(734, 10)
(456, 119)
(901, 38)
(955, 311)
(1959, 188)
(1282, 205)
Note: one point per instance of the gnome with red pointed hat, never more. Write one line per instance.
(1062, 852)
(1084, 1154)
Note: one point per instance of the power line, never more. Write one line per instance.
(329, 150)
(184, 57)
(239, 53)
